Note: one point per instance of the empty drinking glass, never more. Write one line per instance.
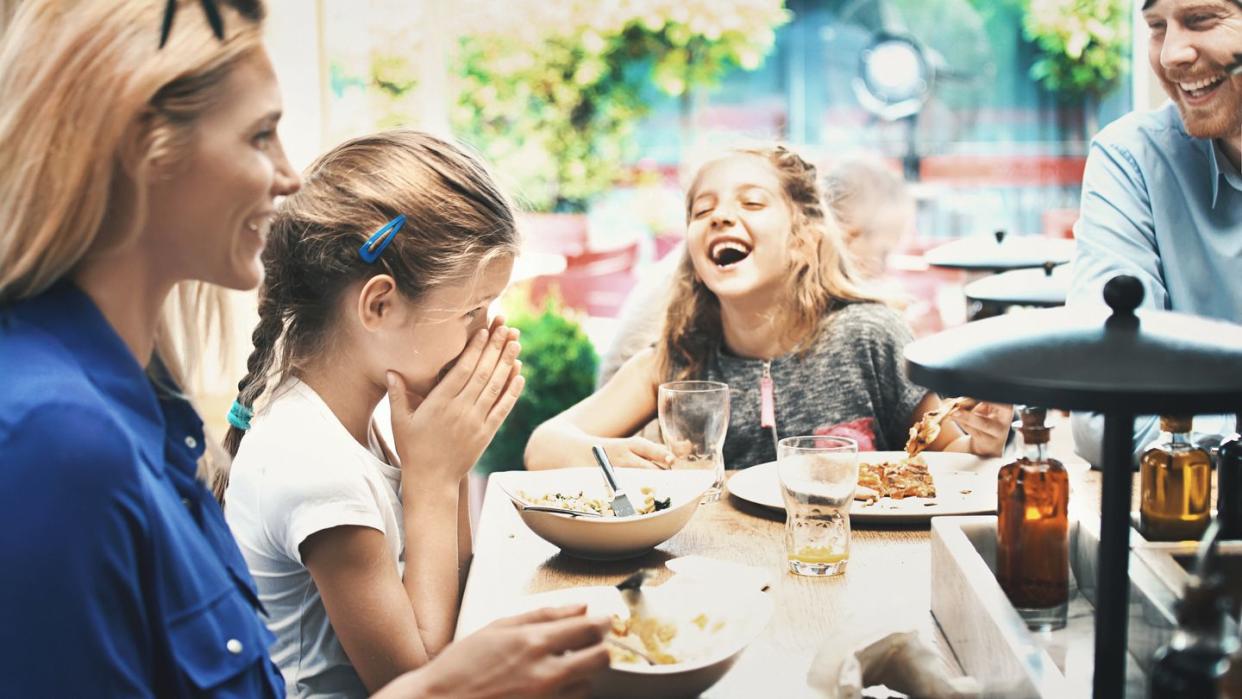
(694, 417)
(818, 476)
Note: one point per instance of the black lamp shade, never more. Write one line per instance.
(1143, 362)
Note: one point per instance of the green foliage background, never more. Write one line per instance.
(557, 116)
(1085, 43)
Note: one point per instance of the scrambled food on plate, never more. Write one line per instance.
(580, 502)
(654, 637)
(927, 429)
(896, 479)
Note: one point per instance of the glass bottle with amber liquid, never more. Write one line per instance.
(1032, 529)
(1176, 477)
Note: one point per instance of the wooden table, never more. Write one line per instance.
(887, 584)
(886, 587)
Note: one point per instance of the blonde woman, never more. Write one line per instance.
(765, 296)
(140, 155)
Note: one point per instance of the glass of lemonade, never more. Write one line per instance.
(694, 418)
(818, 476)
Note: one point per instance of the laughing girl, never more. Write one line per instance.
(765, 301)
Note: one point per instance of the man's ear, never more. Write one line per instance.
(377, 301)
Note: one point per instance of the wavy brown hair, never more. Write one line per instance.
(457, 219)
(820, 279)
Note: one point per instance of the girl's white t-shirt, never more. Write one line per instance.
(299, 472)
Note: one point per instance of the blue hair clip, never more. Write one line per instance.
(239, 416)
(371, 250)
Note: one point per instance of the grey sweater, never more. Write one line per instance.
(851, 382)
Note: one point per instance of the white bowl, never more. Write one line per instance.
(608, 538)
(745, 613)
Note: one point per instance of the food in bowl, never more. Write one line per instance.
(606, 538)
(580, 502)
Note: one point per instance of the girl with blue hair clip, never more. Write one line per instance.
(379, 274)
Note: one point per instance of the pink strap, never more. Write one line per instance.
(767, 403)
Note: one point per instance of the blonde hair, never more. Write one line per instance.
(820, 278)
(92, 109)
(457, 219)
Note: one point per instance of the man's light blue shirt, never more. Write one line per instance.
(1165, 207)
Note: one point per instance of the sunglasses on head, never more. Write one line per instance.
(249, 9)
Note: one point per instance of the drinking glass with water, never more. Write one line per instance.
(694, 418)
(818, 476)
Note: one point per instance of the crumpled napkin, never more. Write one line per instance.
(902, 661)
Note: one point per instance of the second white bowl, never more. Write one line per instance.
(607, 538)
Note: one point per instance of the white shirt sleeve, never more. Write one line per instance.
(301, 502)
(1088, 431)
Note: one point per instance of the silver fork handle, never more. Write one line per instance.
(560, 511)
(602, 459)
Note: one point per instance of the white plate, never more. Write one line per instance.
(965, 485)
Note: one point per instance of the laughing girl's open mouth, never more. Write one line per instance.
(727, 252)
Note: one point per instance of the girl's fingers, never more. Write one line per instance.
(504, 406)
(397, 400)
(485, 365)
(502, 372)
(974, 422)
(657, 454)
(455, 380)
(401, 402)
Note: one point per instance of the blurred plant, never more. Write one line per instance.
(394, 79)
(552, 93)
(559, 363)
(1085, 43)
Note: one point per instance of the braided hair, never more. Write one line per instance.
(820, 279)
(457, 220)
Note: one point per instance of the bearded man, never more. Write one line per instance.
(1162, 191)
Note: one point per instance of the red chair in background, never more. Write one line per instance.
(595, 282)
(558, 234)
(921, 286)
(1059, 223)
(666, 243)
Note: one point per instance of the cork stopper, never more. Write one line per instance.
(1176, 423)
(1033, 429)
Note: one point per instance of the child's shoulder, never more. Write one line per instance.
(870, 319)
(293, 436)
